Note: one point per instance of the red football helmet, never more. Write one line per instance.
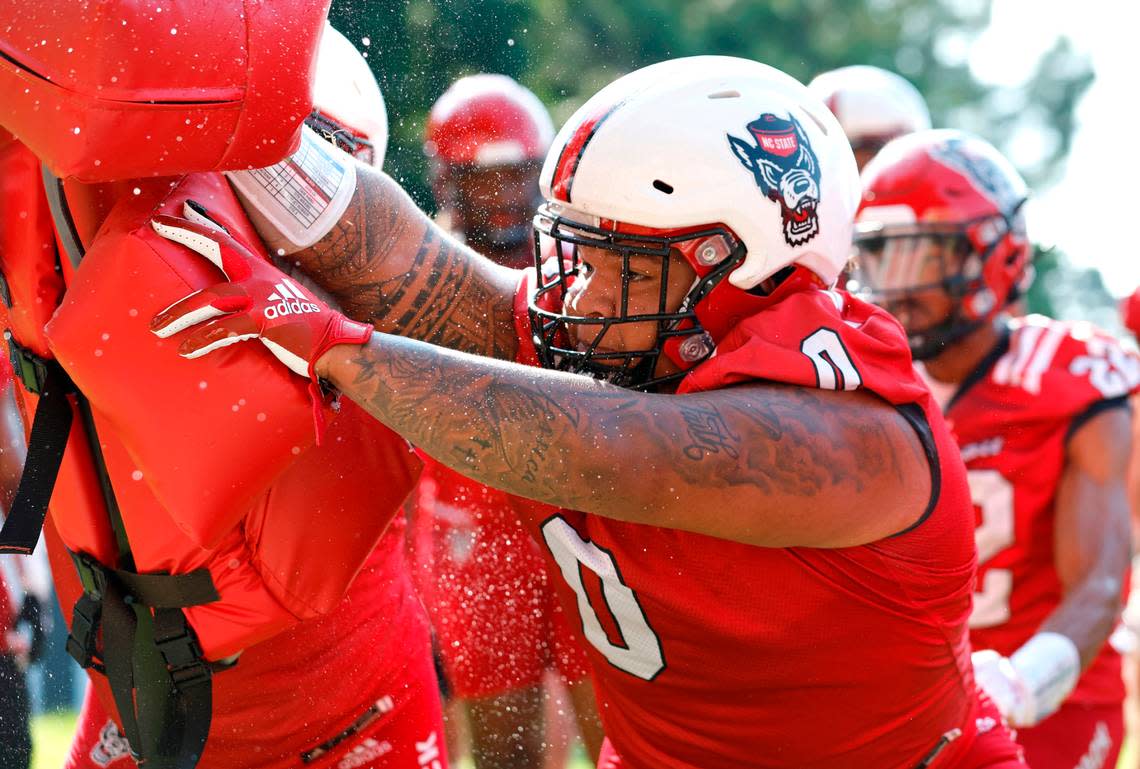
(487, 120)
(942, 210)
(486, 138)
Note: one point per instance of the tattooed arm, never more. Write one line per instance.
(762, 464)
(385, 262)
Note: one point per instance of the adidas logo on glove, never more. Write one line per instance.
(290, 301)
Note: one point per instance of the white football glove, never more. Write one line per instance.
(1030, 685)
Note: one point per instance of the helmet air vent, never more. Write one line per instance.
(663, 186)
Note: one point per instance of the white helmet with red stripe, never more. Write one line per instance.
(873, 105)
(732, 163)
(348, 108)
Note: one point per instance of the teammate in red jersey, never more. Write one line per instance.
(485, 139)
(497, 623)
(1039, 408)
(776, 566)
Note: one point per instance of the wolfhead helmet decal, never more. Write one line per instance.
(989, 179)
(786, 170)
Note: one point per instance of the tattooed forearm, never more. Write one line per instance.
(741, 463)
(708, 433)
(386, 263)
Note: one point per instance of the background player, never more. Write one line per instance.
(497, 622)
(485, 140)
(1040, 411)
(721, 527)
(872, 105)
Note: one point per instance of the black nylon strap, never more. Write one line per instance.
(169, 591)
(119, 625)
(181, 738)
(159, 678)
(51, 427)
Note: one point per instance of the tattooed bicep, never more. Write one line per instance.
(793, 440)
(387, 263)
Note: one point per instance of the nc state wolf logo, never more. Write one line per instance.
(980, 170)
(786, 170)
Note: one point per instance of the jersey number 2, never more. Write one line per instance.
(994, 495)
(639, 650)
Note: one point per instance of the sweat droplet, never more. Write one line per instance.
(261, 417)
(136, 191)
(174, 30)
(137, 475)
(75, 130)
(202, 385)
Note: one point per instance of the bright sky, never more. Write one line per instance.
(1089, 212)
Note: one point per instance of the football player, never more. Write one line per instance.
(485, 140)
(497, 622)
(873, 105)
(769, 549)
(1039, 408)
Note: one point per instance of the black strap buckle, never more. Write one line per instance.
(29, 368)
(180, 650)
(92, 574)
(81, 641)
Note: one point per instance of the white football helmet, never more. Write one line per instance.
(348, 108)
(872, 104)
(732, 163)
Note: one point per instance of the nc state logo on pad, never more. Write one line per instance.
(786, 170)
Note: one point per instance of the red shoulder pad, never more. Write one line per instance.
(815, 338)
(1067, 366)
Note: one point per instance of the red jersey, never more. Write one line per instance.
(714, 654)
(1012, 419)
(6, 615)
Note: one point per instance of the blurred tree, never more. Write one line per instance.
(565, 50)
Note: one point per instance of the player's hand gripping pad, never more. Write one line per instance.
(125, 89)
(208, 436)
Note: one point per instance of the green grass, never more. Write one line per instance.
(51, 736)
